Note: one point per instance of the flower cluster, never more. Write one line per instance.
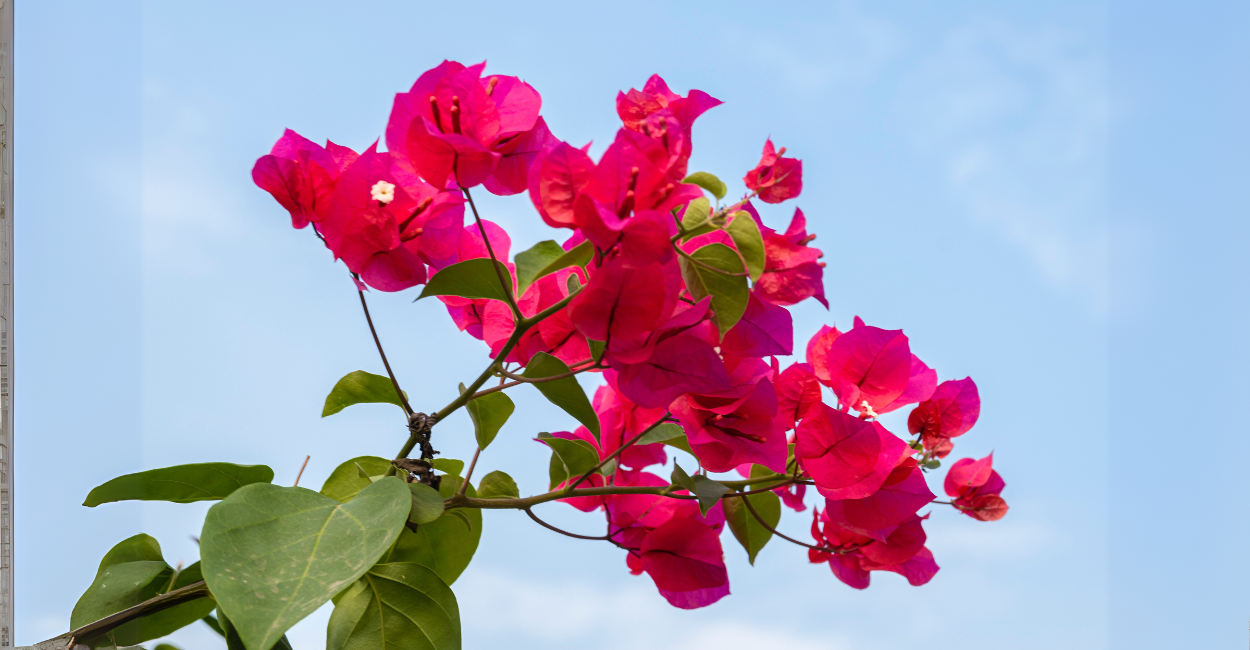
(679, 302)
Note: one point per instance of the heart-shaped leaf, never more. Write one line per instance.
(696, 220)
(498, 485)
(565, 393)
(708, 182)
(272, 555)
(717, 271)
(663, 433)
(746, 528)
(489, 413)
(475, 278)
(427, 504)
(569, 458)
(360, 387)
(447, 544)
(708, 491)
(396, 606)
(345, 481)
(749, 242)
(180, 483)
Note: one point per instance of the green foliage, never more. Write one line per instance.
(708, 182)
(489, 413)
(131, 572)
(272, 555)
(696, 220)
(345, 481)
(682, 479)
(233, 642)
(569, 458)
(427, 504)
(729, 292)
(498, 485)
(708, 491)
(401, 606)
(447, 544)
(663, 433)
(360, 387)
(749, 241)
(449, 466)
(746, 528)
(475, 278)
(180, 483)
(565, 393)
(547, 257)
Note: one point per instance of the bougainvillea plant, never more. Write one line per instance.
(674, 296)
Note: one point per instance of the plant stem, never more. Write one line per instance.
(193, 591)
(823, 549)
(469, 474)
(516, 311)
(663, 418)
(394, 382)
(548, 526)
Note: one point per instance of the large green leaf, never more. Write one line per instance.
(475, 278)
(565, 393)
(360, 387)
(696, 220)
(273, 555)
(663, 433)
(132, 572)
(345, 481)
(427, 504)
(233, 642)
(749, 241)
(180, 483)
(447, 544)
(569, 458)
(729, 292)
(579, 255)
(396, 606)
(708, 182)
(530, 263)
(498, 485)
(489, 413)
(746, 528)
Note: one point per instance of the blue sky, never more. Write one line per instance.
(1044, 196)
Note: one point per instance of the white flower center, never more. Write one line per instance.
(382, 192)
(866, 409)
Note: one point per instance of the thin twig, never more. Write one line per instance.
(823, 549)
(193, 591)
(540, 522)
(469, 474)
(301, 471)
(377, 341)
(490, 250)
(663, 418)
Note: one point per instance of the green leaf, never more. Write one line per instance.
(531, 262)
(680, 442)
(547, 257)
(396, 606)
(663, 433)
(498, 485)
(166, 646)
(489, 413)
(273, 555)
(565, 393)
(708, 491)
(749, 241)
(233, 642)
(345, 481)
(211, 622)
(449, 466)
(696, 220)
(680, 477)
(569, 458)
(596, 349)
(729, 292)
(180, 483)
(746, 528)
(475, 278)
(360, 387)
(132, 572)
(427, 504)
(932, 463)
(447, 544)
(708, 182)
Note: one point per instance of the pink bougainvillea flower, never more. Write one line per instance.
(454, 126)
(745, 430)
(776, 178)
(920, 386)
(798, 390)
(684, 363)
(622, 306)
(847, 457)
(301, 175)
(868, 368)
(792, 270)
(903, 552)
(950, 412)
(620, 420)
(977, 487)
(685, 559)
(640, 239)
(378, 219)
(792, 496)
(765, 329)
(637, 106)
(880, 513)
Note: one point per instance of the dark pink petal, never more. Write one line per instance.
(849, 458)
(685, 560)
(879, 514)
(792, 496)
(749, 434)
(967, 474)
(517, 104)
(765, 329)
(846, 567)
(797, 391)
(920, 386)
(866, 364)
(620, 305)
(900, 546)
(985, 507)
(681, 364)
(556, 178)
(775, 178)
(919, 570)
(950, 412)
(511, 175)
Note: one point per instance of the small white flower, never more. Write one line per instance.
(382, 192)
(866, 409)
